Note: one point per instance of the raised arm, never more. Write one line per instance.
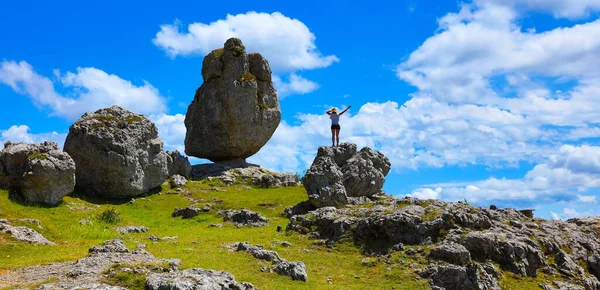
(328, 112)
(344, 111)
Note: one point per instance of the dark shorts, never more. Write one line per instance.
(337, 127)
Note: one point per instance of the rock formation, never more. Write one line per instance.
(231, 172)
(118, 153)
(41, 173)
(340, 175)
(178, 164)
(296, 270)
(236, 110)
(464, 242)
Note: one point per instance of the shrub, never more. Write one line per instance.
(109, 216)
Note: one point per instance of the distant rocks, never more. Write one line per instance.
(117, 153)
(244, 217)
(178, 164)
(187, 212)
(40, 173)
(340, 175)
(296, 270)
(232, 172)
(132, 229)
(236, 110)
(23, 234)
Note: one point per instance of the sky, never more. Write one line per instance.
(488, 101)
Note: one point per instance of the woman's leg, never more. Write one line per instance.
(332, 137)
(337, 135)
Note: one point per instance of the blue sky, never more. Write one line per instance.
(493, 101)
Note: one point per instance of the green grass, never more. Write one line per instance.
(199, 245)
(37, 155)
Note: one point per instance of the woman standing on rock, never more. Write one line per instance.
(335, 124)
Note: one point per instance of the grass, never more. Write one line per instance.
(246, 77)
(37, 155)
(198, 244)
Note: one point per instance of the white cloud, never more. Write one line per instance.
(559, 8)
(287, 43)
(555, 216)
(20, 133)
(587, 198)
(91, 89)
(171, 129)
(425, 193)
(295, 85)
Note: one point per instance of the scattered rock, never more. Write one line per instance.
(215, 226)
(178, 164)
(244, 217)
(186, 213)
(236, 110)
(85, 222)
(41, 173)
(177, 181)
(195, 278)
(24, 234)
(132, 229)
(118, 153)
(296, 270)
(452, 253)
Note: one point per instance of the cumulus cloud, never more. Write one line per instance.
(561, 178)
(90, 88)
(20, 133)
(287, 43)
(171, 129)
(295, 85)
(559, 8)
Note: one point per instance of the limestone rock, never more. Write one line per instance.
(23, 234)
(118, 153)
(177, 181)
(452, 253)
(132, 229)
(245, 217)
(340, 175)
(195, 279)
(186, 213)
(178, 164)
(296, 270)
(41, 173)
(236, 110)
(232, 172)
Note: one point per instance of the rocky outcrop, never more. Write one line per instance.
(177, 181)
(195, 278)
(233, 172)
(463, 242)
(118, 153)
(296, 270)
(244, 217)
(40, 173)
(236, 110)
(340, 175)
(178, 164)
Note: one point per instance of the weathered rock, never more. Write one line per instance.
(451, 253)
(323, 183)
(236, 110)
(259, 252)
(118, 153)
(24, 234)
(187, 212)
(296, 270)
(178, 164)
(453, 277)
(110, 246)
(177, 181)
(245, 217)
(340, 175)
(195, 279)
(41, 173)
(132, 229)
(232, 172)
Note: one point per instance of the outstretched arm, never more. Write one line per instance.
(344, 111)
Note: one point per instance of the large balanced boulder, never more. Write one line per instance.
(236, 110)
(339, 175)
(118, 153)
(40, 173)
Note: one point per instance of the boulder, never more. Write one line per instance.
(41, 173)
(231, 172)
(245, 217)
(178, 164)
(236, 110)
(23, 234)
(118, 153)
(339, 175)
(187, 212)
(296, 270)
(177, 181)
(452, 253)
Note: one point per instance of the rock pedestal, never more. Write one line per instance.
(339, 175)
(41, 173)
(235, 111)
(118, 153)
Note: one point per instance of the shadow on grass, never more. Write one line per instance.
(19, 199)
(97, 199)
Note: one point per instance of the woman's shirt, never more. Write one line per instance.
(335, 118)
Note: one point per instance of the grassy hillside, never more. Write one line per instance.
(198, 245)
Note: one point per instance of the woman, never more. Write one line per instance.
(335, 124)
